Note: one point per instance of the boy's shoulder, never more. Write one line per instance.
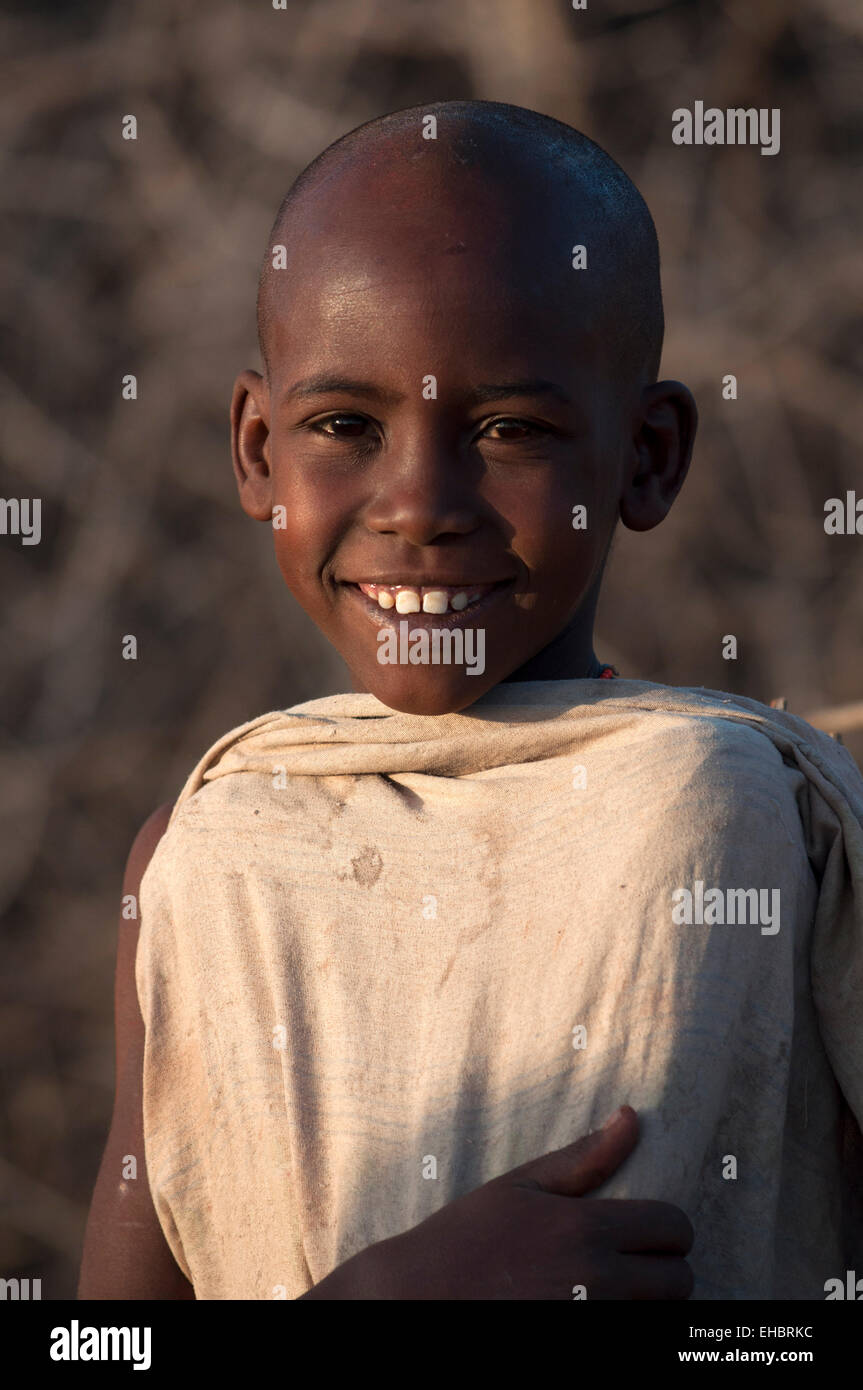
(237, 788)
(724, 717)
(748, 746)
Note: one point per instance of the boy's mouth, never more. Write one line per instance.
(451, 601)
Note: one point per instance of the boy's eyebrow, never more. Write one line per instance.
(493, 391)
(322, 384)
(488, 391)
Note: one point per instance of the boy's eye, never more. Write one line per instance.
(511, 428)
(345, 425)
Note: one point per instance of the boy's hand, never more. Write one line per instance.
(527, 1235)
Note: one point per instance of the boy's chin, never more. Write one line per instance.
(420, 691)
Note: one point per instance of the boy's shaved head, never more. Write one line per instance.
(549, 179)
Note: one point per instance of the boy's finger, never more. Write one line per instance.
(583, 1166)
(633, 1226)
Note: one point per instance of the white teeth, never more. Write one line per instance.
(435, 601)
(409, 598)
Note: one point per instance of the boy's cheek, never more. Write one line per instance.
(298, 562)
(561, 561)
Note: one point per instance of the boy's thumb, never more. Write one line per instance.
(586, 1164)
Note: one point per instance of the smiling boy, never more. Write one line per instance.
(446, 267)
(401, 950)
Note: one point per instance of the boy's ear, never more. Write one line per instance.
(662, 450)
(250, 444)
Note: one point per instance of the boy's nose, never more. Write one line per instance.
(428, 494)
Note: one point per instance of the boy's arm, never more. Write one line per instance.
(126, 1255)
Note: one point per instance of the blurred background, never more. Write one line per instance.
(142, 257)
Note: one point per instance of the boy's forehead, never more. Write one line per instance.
(407, 238)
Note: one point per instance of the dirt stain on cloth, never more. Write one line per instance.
(367, 866)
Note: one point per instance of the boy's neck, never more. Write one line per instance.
(529, 673)
(569, 657)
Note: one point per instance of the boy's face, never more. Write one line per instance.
(440, 397)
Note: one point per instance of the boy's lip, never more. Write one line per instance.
(387, 617)
(436, 581)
